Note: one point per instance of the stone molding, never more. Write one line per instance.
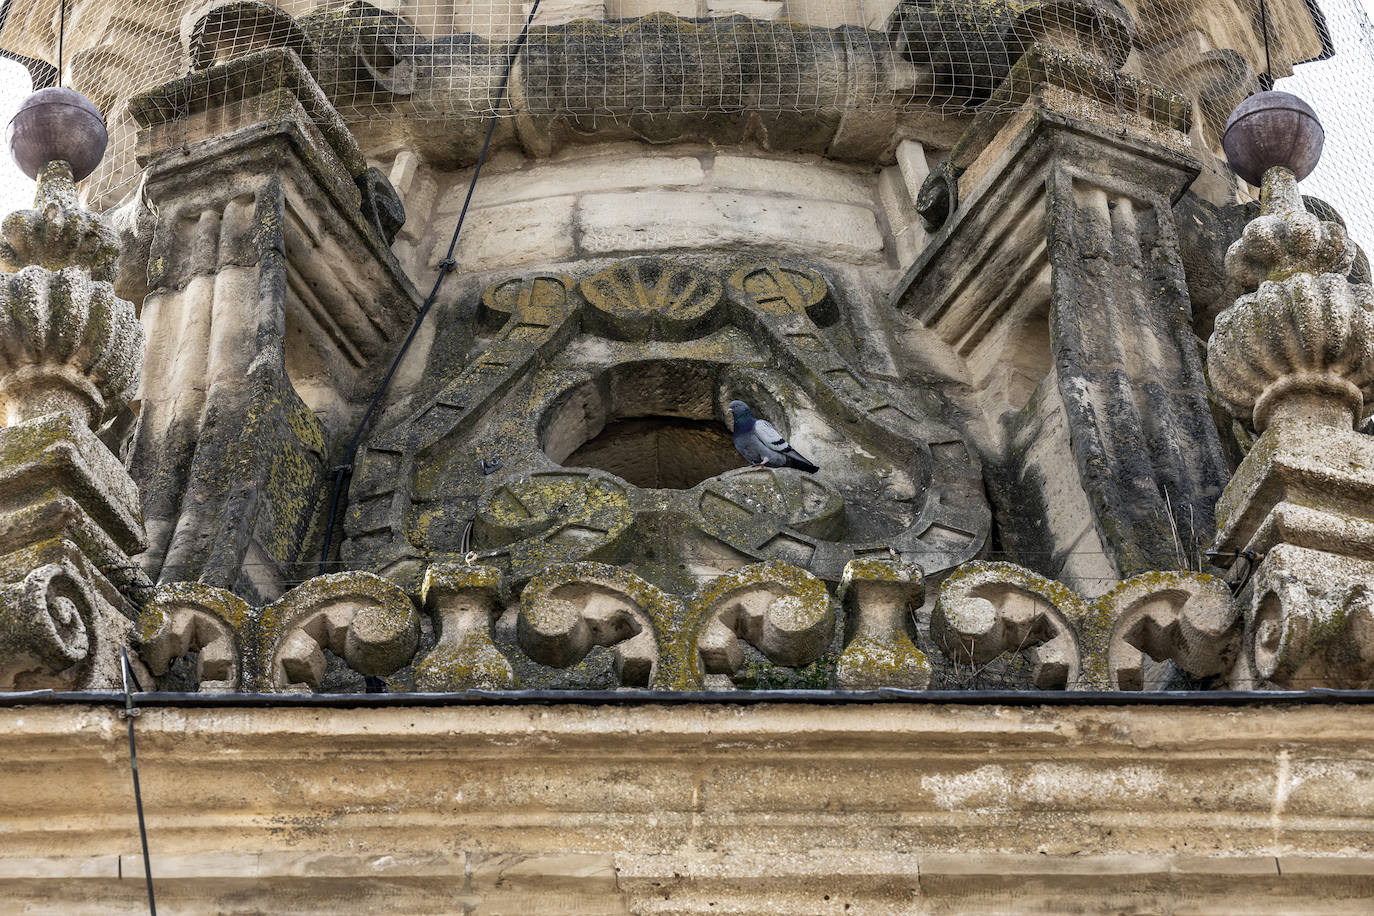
(899, 808)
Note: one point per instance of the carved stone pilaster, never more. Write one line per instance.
(271, 293)
(1058, 279)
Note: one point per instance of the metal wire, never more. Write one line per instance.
(446, 264)
(130, 713)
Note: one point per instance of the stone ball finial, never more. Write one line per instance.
(58, 124)
(1273, 129)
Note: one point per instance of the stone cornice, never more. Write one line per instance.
(883, 806)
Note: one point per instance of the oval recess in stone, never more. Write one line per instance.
(781, 289)
(653, 299)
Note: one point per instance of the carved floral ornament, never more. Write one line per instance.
(587, 624)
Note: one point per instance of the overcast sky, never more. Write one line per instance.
(1341, 90)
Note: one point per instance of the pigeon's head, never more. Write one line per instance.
(739, 410)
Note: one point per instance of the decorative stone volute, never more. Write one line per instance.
(70, 344)
(1300, 342)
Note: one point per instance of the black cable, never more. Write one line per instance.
(61, 36)
(1266, 79)
(130, 713)
(447, 264)
(638, 697)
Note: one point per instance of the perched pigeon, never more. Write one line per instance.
(762, 445)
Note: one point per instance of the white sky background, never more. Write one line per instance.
(1341, 90)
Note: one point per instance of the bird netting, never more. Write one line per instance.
(597, 60)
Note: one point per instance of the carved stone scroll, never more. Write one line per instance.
(1190, 619)
(362, 618)
(183, 617)
(47, 626)
(987, 609)
(784, 612)
(571, 607)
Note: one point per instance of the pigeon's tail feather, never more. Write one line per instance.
(801, 464)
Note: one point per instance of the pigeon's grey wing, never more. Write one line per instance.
(780, 447)
(770, 437)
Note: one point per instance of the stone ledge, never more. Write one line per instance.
(786, 808)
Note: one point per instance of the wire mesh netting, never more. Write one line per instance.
(597, 60)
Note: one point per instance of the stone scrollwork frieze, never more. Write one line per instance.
(987, 610)
(765, 625)
(361, 618)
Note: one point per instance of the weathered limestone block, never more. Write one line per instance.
(879, 598)
(571, 607)
(618, 222)
(784, 612)
(464, 603)
(1304, 483)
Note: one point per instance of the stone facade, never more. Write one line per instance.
(476, 472)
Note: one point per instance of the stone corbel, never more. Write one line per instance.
(464, 603)
(782, 611)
